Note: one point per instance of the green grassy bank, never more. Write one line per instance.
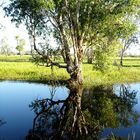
(15, 58)
(25, 70)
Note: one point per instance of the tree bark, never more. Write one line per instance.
(76, 75)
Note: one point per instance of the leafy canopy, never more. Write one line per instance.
(76, 24)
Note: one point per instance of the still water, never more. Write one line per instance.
(15, 98)
(111, 111)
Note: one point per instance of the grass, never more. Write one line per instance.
(113, 76)
(130, 61)
(15, 58)
(29, 71)
(21, 69)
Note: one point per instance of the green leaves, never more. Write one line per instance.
(20, 44)
(102, 16)
(78, 23)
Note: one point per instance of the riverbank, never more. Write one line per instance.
(28, 71)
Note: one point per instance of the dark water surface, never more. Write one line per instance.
(109, 111)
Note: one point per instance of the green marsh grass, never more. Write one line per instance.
(28, 71)
(15, 58)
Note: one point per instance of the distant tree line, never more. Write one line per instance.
(6, 49)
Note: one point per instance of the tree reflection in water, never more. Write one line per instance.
(2, 122)
(83, 115)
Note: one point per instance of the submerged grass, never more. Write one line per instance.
(28, 71)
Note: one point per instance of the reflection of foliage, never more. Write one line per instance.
(47, 114)
(109, 109)
(100, 107)
(112, 136)
(69, 119)
(2, 122)
(62, 119)
(124, 106)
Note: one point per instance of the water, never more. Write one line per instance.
(15, 98)
(131, 131)
(114, 110)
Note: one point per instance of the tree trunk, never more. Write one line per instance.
(121, 61)
(73, 121)
(89, 53)
(20, 54)
(76, 75)
(121, 58)
(89, 60)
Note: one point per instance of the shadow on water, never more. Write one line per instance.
(84, 114)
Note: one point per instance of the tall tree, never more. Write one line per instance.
(126, 45)
(89, 52)
(4, 47)
(20, 45)
(75, 24)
